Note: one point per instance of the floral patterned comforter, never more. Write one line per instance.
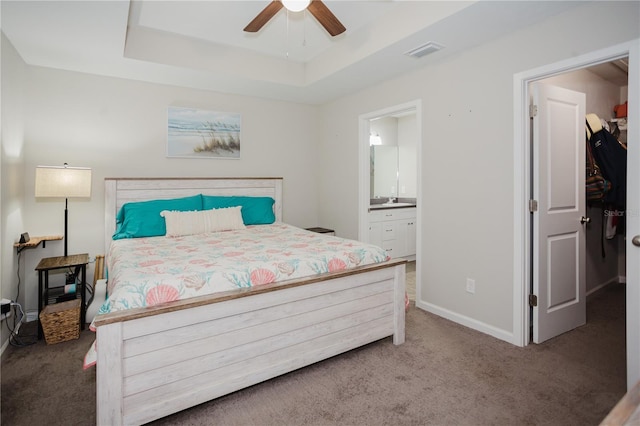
(148, 271)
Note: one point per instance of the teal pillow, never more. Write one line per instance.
(255, 210)
(142, 219)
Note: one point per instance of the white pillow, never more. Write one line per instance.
(202, 222)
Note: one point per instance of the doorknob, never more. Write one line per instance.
(584, 220)
(636, 241)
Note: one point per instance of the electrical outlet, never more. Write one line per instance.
(471, 285)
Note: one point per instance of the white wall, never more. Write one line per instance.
(602, 95)
(467, 157)
(407, 156)
(12, 169)
(118, 128)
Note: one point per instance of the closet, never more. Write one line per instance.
(605, 87)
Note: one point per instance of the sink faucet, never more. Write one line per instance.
(391, 200)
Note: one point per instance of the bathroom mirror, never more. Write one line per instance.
(392, 148)
(384, 171)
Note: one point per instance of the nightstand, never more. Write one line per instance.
(78, 262)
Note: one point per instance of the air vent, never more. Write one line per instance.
(425, 49)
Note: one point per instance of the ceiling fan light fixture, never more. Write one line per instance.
(316, 8)
(296, 5)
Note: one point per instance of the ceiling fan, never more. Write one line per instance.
(317, 8)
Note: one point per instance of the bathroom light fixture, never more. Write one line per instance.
(374, 139)
(295, 5)
(63, 182)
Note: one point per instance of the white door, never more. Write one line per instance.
(558, 230)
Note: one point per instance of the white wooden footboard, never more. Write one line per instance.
(151, 366)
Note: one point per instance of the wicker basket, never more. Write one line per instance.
(61, 321)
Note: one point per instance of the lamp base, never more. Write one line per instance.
(66, 221)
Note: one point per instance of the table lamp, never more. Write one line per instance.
(63, 182)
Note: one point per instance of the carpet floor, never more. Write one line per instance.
(444, 374)
(410, 280)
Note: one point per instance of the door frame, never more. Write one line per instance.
(522, 181)
(364, 174)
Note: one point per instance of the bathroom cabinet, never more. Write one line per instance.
(394, 230)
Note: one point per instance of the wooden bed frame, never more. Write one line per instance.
(156, 361)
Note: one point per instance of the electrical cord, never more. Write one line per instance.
(18, 274)
(14, 339)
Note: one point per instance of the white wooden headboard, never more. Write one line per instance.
(118, 191)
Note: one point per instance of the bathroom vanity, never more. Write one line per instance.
(394, 229)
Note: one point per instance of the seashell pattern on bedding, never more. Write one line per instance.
(149, 271)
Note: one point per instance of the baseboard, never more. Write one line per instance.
(468, 322)
(4, 346)
(614, 280)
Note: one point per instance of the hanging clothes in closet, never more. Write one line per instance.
(611, 157)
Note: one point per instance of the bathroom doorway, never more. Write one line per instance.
(400, 184)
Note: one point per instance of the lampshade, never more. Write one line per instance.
(63, 182)
(296, 5)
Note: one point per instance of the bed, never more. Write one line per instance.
(156, 360)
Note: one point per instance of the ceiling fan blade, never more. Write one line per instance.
(326, 18)
(264, 16)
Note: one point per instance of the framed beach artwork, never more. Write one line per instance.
(196, 133)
